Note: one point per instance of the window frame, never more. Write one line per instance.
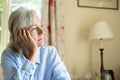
(4, 24)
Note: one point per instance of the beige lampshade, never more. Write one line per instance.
(100, 30)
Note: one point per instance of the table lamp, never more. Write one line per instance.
(100, 31)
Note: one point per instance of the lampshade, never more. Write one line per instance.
(100, 30)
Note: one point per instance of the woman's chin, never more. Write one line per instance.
(40, 44)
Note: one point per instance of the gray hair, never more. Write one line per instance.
(22, 17)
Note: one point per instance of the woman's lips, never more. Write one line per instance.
(40, 39)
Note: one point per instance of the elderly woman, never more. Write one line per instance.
(26, 57)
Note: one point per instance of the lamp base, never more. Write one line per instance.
(102, 71)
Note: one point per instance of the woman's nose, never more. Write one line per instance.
(40, 30)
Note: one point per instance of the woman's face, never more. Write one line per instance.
(37, 32)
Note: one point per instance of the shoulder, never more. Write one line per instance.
(47, 47)
(8, 53)
(50, 51)
(51, 55)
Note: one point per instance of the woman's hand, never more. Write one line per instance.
(28, 44)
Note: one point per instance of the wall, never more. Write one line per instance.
(78, 51)
(1, 77)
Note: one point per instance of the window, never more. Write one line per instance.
(0, 21)
(6, 7)
(15, 3)
(0, 24)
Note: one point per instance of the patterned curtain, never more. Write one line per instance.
(53, 24)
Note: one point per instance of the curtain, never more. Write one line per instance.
(4, 30)
(53, 24)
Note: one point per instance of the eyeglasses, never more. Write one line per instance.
(35, 28)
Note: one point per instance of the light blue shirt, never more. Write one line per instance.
(48, 66)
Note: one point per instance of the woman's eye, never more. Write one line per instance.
(41, 25)
(34, 29)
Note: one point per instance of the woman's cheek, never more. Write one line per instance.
(34, 36)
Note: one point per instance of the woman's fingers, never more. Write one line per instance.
(20, 35)
(24, 34)
(28, 35)
(33, 43)
(25, 38)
